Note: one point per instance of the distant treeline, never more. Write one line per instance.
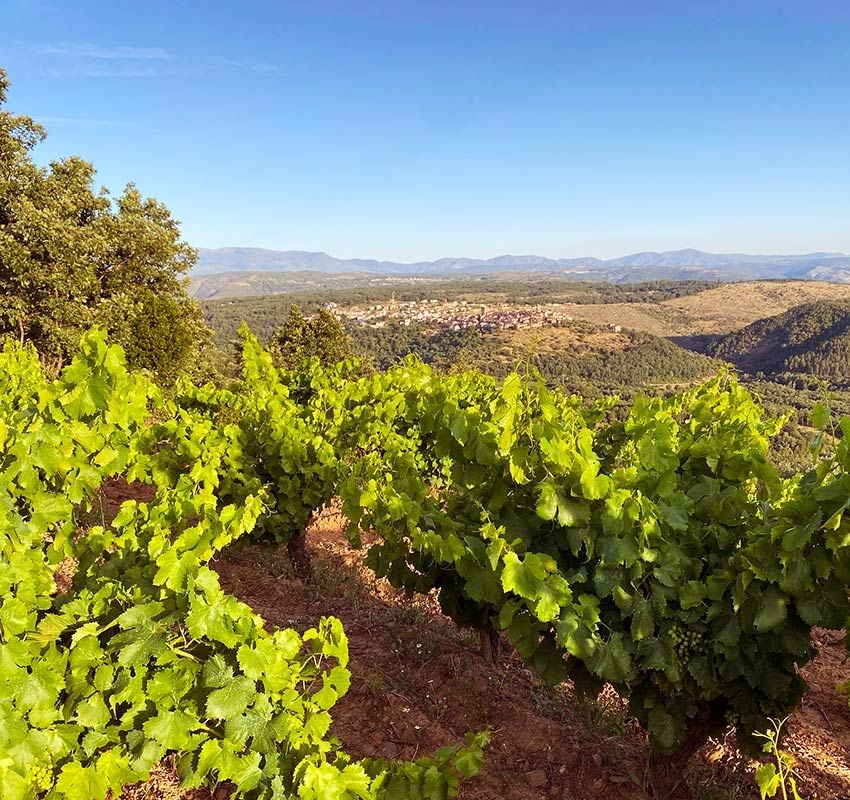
(646, 361)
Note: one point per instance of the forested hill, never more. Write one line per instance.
(813, 338)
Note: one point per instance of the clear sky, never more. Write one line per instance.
(414, 130)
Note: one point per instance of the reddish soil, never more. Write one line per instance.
(419, 683)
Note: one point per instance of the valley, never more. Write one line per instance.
(664, 308)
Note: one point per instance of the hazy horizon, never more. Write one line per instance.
(405, 132)
(555, 256)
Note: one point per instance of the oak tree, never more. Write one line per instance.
(72, 257)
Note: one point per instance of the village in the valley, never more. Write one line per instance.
(455, 315)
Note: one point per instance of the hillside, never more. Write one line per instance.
(716, 310)
(580, 357)
(491, 324)
(812, 338)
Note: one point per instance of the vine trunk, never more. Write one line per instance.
(667, 770)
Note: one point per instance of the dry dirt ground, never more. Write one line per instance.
(721, 310)
(566, 342)
(419, 683)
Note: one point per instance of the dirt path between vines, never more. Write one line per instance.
(419, 683)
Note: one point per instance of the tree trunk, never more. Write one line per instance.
(666, 771)
(490, 644)
(299, 555)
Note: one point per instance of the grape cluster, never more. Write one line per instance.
(687, 643)
(41, 776)
(733, 719)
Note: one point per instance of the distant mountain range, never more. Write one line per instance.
(248, 268)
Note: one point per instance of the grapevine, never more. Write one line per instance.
(145, 654)
(662, 553)
(283, 425)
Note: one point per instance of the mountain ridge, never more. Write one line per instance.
(253, 271)
(255, 259)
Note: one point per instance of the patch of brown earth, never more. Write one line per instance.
(570, 341)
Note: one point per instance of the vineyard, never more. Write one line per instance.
(659, 555)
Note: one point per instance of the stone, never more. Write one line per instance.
(536, 778)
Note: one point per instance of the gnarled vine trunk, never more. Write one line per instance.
(299, 555)
(491, 645)
(667, 770)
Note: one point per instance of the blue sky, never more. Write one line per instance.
(414, 130)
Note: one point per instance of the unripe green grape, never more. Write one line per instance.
(41, 777)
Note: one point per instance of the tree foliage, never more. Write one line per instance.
(72, 257)
(321, 336)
